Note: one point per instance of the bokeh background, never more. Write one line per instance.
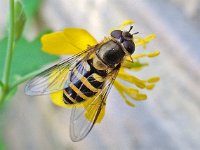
(168, 120)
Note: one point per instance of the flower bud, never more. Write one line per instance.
(20, 19)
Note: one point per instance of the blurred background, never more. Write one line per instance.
(168, 120)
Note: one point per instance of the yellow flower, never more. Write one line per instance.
(74, 40)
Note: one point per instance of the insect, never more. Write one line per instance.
(87, 76)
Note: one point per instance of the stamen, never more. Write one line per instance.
(132, 79)
(144, 41)
(153, 54)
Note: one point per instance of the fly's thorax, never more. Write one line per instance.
(110, 53)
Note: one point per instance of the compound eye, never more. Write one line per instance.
(116, 34)
(129, 46)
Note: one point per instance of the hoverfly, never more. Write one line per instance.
(86, 76)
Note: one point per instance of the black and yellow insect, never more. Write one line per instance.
(87, 75)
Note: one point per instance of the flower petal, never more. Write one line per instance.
(57, 99)
(70, 41)
(91, 111)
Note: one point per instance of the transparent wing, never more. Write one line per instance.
(83, 118)
(55, 78)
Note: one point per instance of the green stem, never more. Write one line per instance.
(24, 78)
(1, 84)
(1, 89)
(10, 47)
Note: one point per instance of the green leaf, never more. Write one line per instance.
(31, 7)
(2, 146)
(27, 58)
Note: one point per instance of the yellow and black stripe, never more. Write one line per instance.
(85, 82)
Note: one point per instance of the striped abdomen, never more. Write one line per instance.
(85, 82)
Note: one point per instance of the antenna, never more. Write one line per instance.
(131, 27)
(135, 33)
